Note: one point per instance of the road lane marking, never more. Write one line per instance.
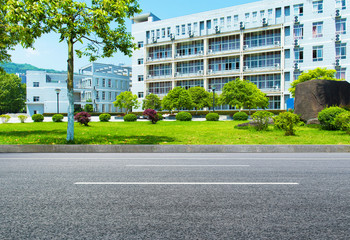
(187, 165)
(186, 183)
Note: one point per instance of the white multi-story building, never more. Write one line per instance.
(267, 42)
(97, 84)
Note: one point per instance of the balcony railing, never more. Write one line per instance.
(213, 72)
(198, 73)
(200, 53)
(150, 59)
(151, 77)
(267, 68)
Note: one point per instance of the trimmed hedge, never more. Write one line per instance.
(327, 117)
(38, 118)
(57, 118)
(183, 116)
(130, 117)
(240, 116)
(212, 117)
(105, 117)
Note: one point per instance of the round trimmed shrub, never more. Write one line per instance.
(22, 118)
(342, 121)
(160, 116)
(105, 117)
(83, 118)
(183, 116)
(5, 118)
(38, 118)
(287, 121)
(240, 116)
(57, 118)
(212, 117)
(130, 117)
(327, 117)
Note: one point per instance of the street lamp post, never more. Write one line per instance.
(213, 88)
(57, 90)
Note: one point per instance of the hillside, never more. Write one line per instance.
(22, 68)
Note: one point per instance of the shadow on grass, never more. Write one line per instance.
(133, 140)
(32, 132)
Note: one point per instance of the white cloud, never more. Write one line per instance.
(30, 52)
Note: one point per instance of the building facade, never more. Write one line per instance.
(96, 84)
(267, 42)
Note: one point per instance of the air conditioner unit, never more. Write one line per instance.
(200, 72)
(337, 13)
(200, 52)
(277, 43)
(149, 59)
(245, 68)
(337, 38)
(154, 40)
(241, 25)
(191, 34)
(210, 51)
(277, 65)
(245, 47)
(217, 29)
(177, 54)
(296, 43)
(149, 76)
(211, 71)
(337, 63)
(264, 22)
(296, 66)
(296, 19)
(172, 36)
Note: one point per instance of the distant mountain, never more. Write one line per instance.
(22, 68)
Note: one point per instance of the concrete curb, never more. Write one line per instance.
(174, 148)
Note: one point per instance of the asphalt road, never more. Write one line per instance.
(174, 196)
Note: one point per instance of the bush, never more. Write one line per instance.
(240, 116)
(262, 119)
(327, 117)
(88, 108)
(57, 118)
(130, 117)
(342, 121)
(151, 115)
(22, 118)
(83, 118)
(183, 116)
(105, 117)
(160, 116)
(287, 121)
(5, 118)
(38, 118)
(212, 117)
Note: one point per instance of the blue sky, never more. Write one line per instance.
(51, 54)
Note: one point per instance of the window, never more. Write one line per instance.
(109, 83)
(140, 44)
(317, 6)
(268, 81)
(299, 55)
(109, 95)
(35, 84)
(158, 33)
(160, 88)
(317, 30)
(235, 20)
(317, 53)
(220, 82)
(340, 26)
(183, 29)
(287, 11)
(287, 31)
(262, 14)
(140, 61)
(36, 99)
(152, 34)
(140, 78)
(341, 73)
(189, 68)
(177, 30)
(97, 82)
(340, 50)
(140, 94)
(103, 95)
(189, 28)
(274, 102)
(255, 15)
(227, 43)
(190, 48)
(222, 22)
(163, 32)
(160, 52)
(263, 38)
(160, 70)
(215, 22)
(186, 84)
(224, 64)
(341, 4)
(299, 10)
(263, 60)
(103, 82)
(287, 53)
(228, 21)
(195, 27)
(97, 95)
(287, 76)
(168, 31)
(269, 14)
(298, 31)
(296, 74)
(247, 18)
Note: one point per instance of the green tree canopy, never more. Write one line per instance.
(242, 93)
(152, 101)
(98, 25)
(318, 73)
(177, 98)
(12, 94)
(210, 100)
(126, 100)
(200, 97)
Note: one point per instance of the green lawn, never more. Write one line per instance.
(163, 133)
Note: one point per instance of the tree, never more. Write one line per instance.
(152, 101)
(200, 97)
(126, 100)
(242, 93)
(318, 73)
(177, 98)
(12, 94)
(210, 100)
(99, 24)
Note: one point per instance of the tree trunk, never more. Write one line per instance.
(70, 92)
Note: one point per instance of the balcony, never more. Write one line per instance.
(153, 60)
(276, 44)
(223, 72)
(194, 74)
(199, 54)
(151, 77)
(275, 67)
(222, 52)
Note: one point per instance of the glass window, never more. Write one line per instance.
(299, 55)
(36, 99)
(287, 11)
(215, 22)
(177, 30)
(287, 53)
(278, 12)
(341, 4)
(160, 88)
(299, 10)
(340, 26)
(97, 82)
(140, 61)
(103, 95)
(341, 73)
(287, 31)
(317, 30)
(227, 43)
(158, 33)
(269, 14)
(262, 14)
(163, 33)
(266, 82)
(190, 83)
(103, 82)
(247, 18)
(140, 94)
(340, 50)
(235, 20)
(298, 31)
(224, 64)
(287, 76)
(140, 44)
(189, 67)
(255, 16)
(189, 48)
(317, 53)
(183, 29)
(35, 84)
(222, 22)
(168, 31)
(109, 83)
(228, 21)
(161, 70)
(317, 6)
(140, 78)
